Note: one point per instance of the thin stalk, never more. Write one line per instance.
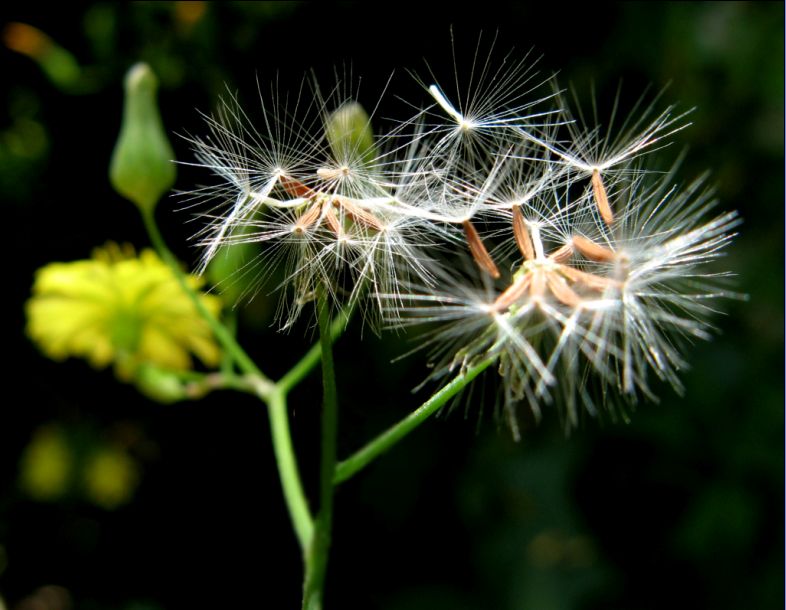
(272, 395)
(224, 337)
(317, 558)
(312, 357)
(198, 385)
(288, 471)
(230, 323)
(363, 457)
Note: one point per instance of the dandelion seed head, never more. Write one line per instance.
(503, 221)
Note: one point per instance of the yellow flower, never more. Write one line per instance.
(117, 308)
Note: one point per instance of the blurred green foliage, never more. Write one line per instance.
(684, 506)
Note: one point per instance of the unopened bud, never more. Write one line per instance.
(141, 169)
(349, 133)
(159, 384)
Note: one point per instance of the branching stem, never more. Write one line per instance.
(360, 459)
(313, 535)
(224, 336)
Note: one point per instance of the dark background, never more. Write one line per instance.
(683, 506)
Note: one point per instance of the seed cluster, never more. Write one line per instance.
(589, 270)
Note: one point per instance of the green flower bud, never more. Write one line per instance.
(349, 133)
(141, 169)
(159, 384)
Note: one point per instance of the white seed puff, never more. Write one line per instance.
(588, 274)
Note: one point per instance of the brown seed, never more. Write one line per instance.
(593, 251)
(479, 252)
(512, 293)
(589, 280)
(562, 254)
(333, 173)
(358, 214)
(601, 199)
(295, 188)
(538, 285)
(333, 222)
(521, 234)
(308, 218)
(563, 293)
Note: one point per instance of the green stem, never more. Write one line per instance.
(224, 337)
(317, 558)
(360, 459)
(230, 323)
(274, 396)
(198, 385)
(305, 365)
(288, 471)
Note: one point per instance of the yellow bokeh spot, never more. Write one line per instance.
(46, 465)
(110, 478)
